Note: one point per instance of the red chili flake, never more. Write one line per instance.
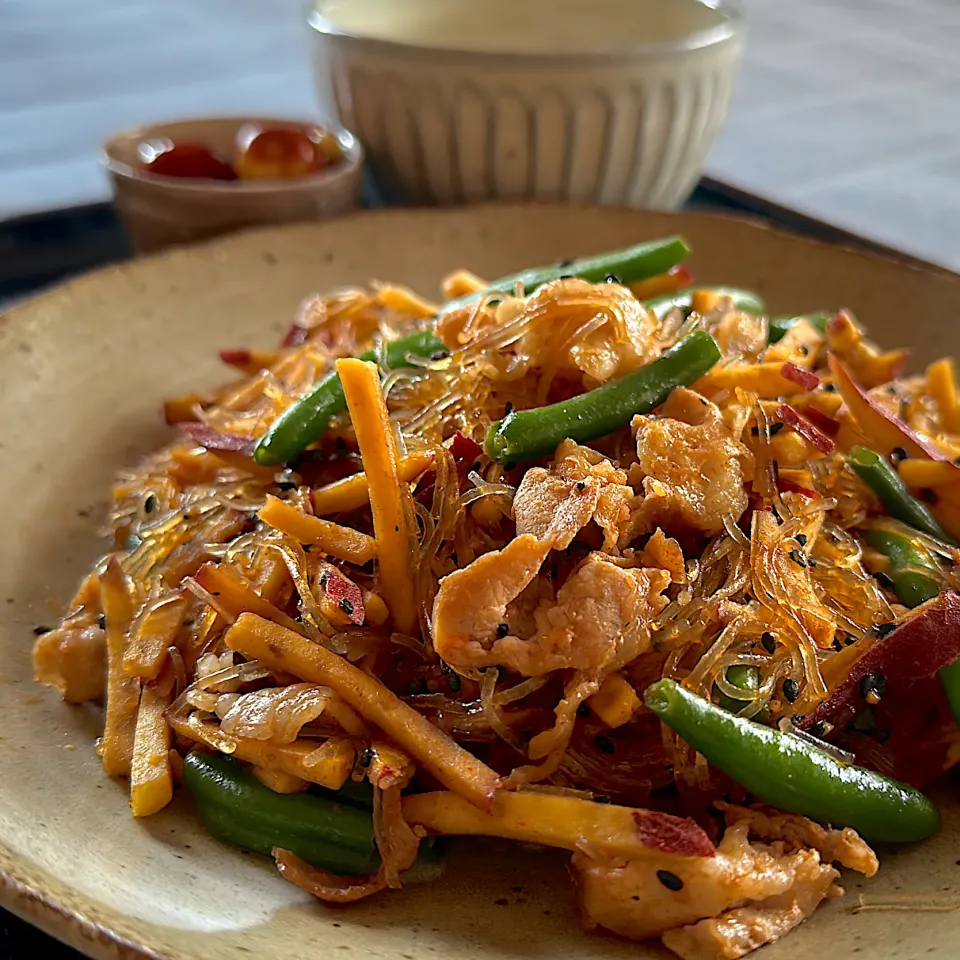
(344, 593)
(464, 449)
(798, 375)
(816, 438)
(212, 439)
(236, 358)
(670, 834)
(295, 336)
(825, 424)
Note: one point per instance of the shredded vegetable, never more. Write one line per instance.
(442, 558)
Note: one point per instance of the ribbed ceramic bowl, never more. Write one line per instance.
(163, 211)
(629, 127)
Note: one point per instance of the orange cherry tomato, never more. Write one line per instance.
(279, 154)
(192, 161)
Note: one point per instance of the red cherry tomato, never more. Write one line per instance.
(279, 154)
(190, 160)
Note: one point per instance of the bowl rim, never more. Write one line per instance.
(731, 28)
(353, 158)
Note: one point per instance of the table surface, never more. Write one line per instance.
(846, 110)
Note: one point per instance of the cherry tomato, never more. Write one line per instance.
(190, 160)
(278, 154)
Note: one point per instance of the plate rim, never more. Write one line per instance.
(51, 912)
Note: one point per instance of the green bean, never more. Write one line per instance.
(309, 418)
(529, 434)
(950, 681)
(780, 325)
(916, 578)
(877, 474)
(744, 300)
(793, 774)
(913, 572)
(237, 809)
(744, 677)
(627, 266)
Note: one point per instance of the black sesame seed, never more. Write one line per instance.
(850, 641)
(346, 606)
(307, 547)
(884, 579)
(769, 642)
(829, 388)
(670, 880)
(884, 629)
(755, 431)
(581, 486)
(872, 686)
(567, 276)
(837, 645)
(818, 729)
(803, 351)
(102, 621)
(613, 278)
(797, 557)
(150, 504)
(440, 355)
(502, 630)
(811, 562)
(366, 757)
(604, 744)
(775, 429)
(898, 454)
(801, 538)
(214, 593)
(583, 710)
(324, 578)
(40, 631)
(791, 690)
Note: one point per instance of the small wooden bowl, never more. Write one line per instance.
(160, 211)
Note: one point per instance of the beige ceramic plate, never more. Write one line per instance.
(82, 374)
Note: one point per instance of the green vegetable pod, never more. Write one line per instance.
(239, 810)
(885, 482)
(744, 300)
(309, 418)
(779, 326)
(529, 434)
(639, 262)
(913, 572)
(792, 774)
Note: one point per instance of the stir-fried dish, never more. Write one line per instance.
(587, 557)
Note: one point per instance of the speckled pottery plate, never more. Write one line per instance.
(82, 373)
